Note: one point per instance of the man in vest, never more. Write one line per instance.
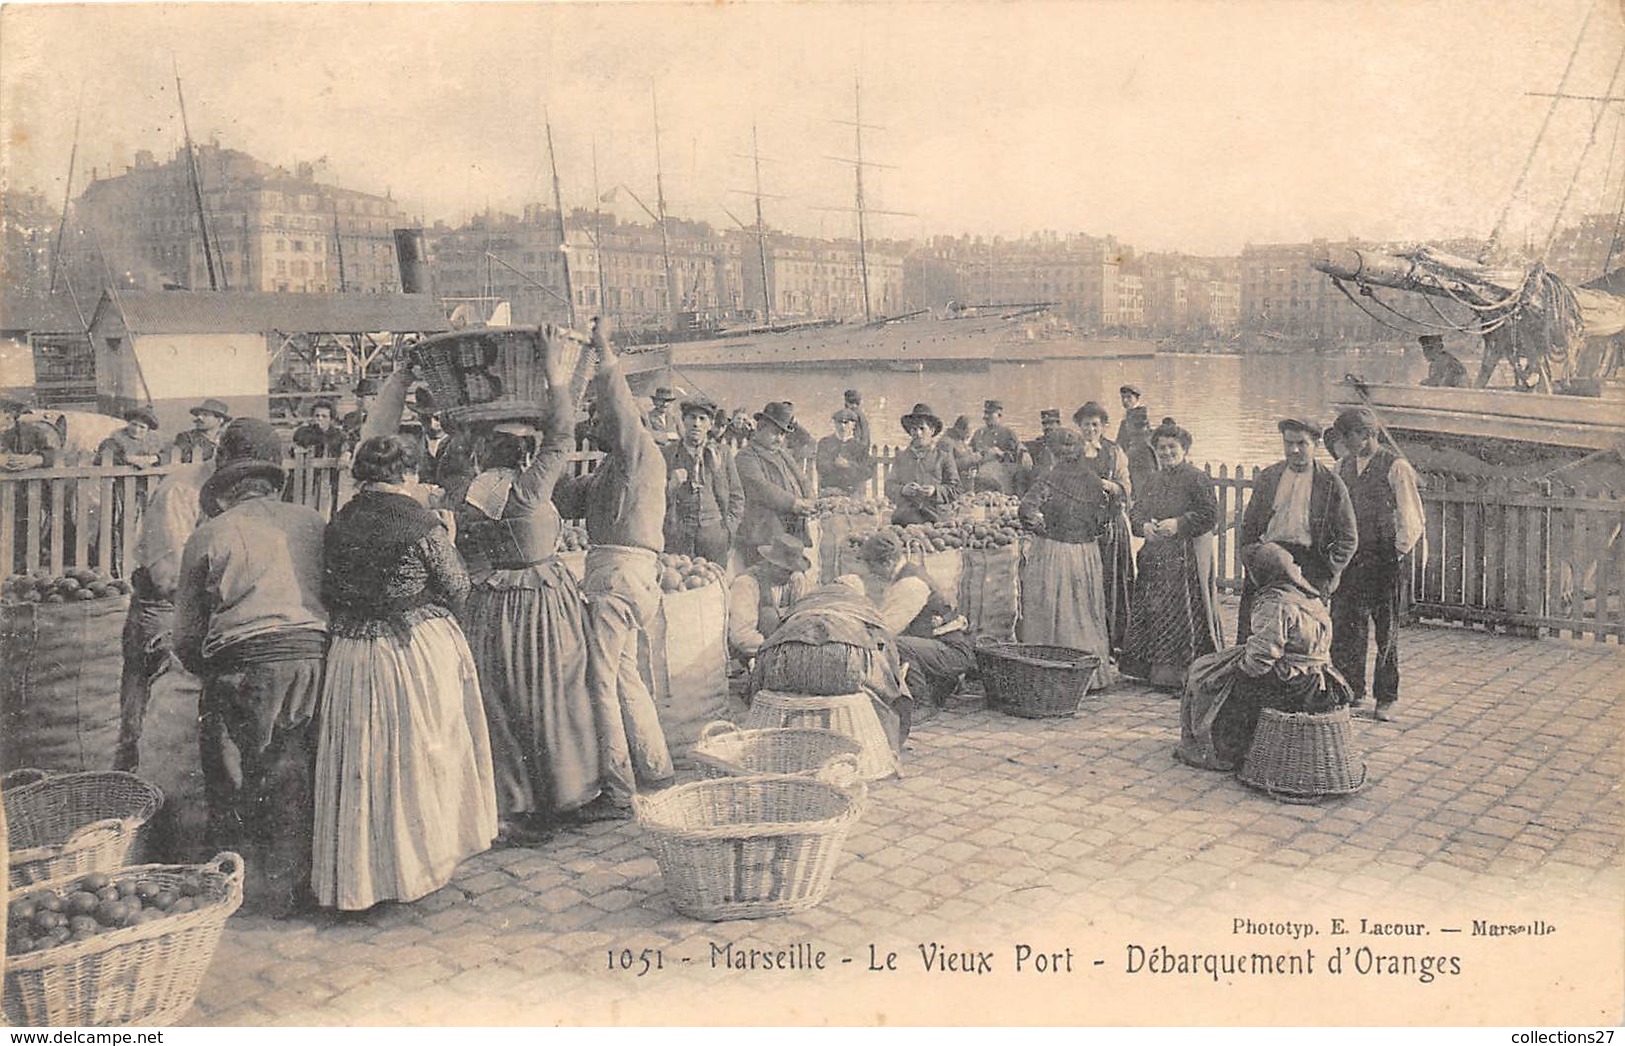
(1302, 506)
(932, 636)
(1388, 513)
(704, 498)
(776, 500)
(200, 442)
(761, 597)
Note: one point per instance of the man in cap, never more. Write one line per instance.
(760, 598)
(134, 444)
(172, 513)
(843, 462)
(26, 442)
(1134, 435)
(704, 498)
(852, 400)
(249, 622)
(932, 636)
(1444, 370)
(776, 489)
(322, 435)
(624, 504)
(1302, 506)
(923, 481)
(1388, 515)
(997, 448)
(200, 442)
(1038, 454)
(663, 421)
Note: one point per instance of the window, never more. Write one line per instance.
(298, 246)
(281, 268)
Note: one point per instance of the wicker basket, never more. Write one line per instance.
(70, 824)
(751, 847)
(1033, 681)
(145, 975)
(724, 750)
(493, 374)
(848, 714)
(1302, 757)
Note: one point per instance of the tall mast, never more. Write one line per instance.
(558, 217)
(197, 187)
(67, 193)
(660, 214)
(761, 230)
(857, 169)
(338, 244)
(598, 233)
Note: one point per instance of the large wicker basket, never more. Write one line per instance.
(1302, 757)
(1034, 681)
(724, 750)
(849, 714)
(145, 975)
(751, 847)
(495, 374)
(69, 824)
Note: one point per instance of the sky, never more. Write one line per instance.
(1200, 125)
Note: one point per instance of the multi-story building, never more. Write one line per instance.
(27, 231)
(822, 279)
(270, 230)
(1190, 295)
(1282, 296)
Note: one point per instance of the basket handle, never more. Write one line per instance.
(717, 728)
(229, 864)
(24, 776)
(842, 772)
(95, 833)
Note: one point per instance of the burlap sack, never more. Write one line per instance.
(59, 684)
(990, 590)
(688, 663)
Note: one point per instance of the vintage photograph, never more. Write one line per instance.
(800, 514)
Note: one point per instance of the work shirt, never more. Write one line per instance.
(254, 569)
(171, 515)
(1408, 517)
(624, 501)
(756, 608)
(1290, 522)
(121, 448)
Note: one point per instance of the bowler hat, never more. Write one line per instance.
(664, 394)
(143, 415)
(787, 551)
(249, 438)
(232, 473)
(923, 412)
(212, 406)
(1298, 425)
(780, 414)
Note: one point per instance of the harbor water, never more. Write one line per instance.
(1229, 403)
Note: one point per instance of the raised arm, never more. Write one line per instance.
(384, 419)
(536, 483)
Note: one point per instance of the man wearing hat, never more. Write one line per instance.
(932, 636)
(173, 511)
(1302, 506)
(662, 420)
(923, 480)
(776, 490)
(852, 400)
(26, 443)
(843, 461)
(200, 442)
(1038, 454)
(1134, 435)
(704, 498)
(134, 444)
(322, 435)
(1444, 370)
(1388, 516)
(760, 598)
(624, 504)
(998, 450)
(249, 622)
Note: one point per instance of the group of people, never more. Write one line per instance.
(387, 694)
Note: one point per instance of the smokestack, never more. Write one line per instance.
(412, 257)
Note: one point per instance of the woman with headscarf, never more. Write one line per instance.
(1175, 616)
(1063, 600)
(1285, 663)
(1116, 551)
(525, 623)
(403, 764)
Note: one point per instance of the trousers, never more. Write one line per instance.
(623, 593)
(1370, 599)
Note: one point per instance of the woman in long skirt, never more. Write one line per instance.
(403, 766)
(1175, 616)
(1116, 551)
(1062, 594)
(525, 626)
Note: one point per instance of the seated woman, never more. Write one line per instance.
(1285, 664)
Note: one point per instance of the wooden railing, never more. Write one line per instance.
(1496, 556)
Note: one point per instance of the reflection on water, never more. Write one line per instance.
(1229, 403)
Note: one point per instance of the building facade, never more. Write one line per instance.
(1282, 296)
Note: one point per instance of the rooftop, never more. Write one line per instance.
(217, 312)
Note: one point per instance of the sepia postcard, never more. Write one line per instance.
(1079, 312)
